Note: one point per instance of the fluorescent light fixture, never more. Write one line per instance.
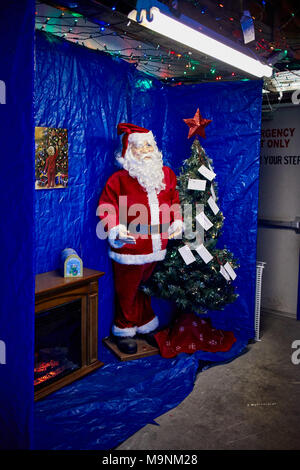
(173, 29)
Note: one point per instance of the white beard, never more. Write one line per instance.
(149, 172)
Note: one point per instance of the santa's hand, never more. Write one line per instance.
(175, 234)
(118, 236)
(124, 236)
(176, 229)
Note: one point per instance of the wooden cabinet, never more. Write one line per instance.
(53, 293)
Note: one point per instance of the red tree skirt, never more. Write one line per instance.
(189, 334)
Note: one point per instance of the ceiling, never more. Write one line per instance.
(103, 25)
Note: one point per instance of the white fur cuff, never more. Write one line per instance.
(137, 259)
(124, 332)
(148, 327)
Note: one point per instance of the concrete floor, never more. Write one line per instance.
(251, 403)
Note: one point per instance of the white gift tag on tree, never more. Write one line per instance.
(209, 166)
(204, 253)
(213, 205)
(230, 271)
(225, 273)
(204, 221)
(197, 185)
(210, 175)
(186, 254)
(213, 194)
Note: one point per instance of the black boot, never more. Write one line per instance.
(126, 344)
(149, 338)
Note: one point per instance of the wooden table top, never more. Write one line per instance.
(53, 280)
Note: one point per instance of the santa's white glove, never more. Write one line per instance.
(176, 229)
(119, 236)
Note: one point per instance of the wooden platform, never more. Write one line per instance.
(144, 350)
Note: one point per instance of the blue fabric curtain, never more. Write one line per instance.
(89, 93)
(17, 223)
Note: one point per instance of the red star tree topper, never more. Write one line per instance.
(197, 125)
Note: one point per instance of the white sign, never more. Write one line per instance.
(230, 271)
(225, 273)
(197, 185)
(204, 221)
(204, 253)
(209, 174)
(213, 205)
(186, 254)
(213, 192)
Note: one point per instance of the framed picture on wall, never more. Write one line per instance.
(51, 158)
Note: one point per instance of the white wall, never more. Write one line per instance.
(279, 199)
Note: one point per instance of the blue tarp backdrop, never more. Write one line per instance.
(17, 226)
(89, 94)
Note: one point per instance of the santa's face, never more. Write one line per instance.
(142, 151)
(144, 162)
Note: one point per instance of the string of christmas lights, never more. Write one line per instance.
(147, 58)
(148, 55)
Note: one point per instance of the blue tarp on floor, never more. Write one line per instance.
(106, 407)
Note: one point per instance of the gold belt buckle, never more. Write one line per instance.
(156, 232)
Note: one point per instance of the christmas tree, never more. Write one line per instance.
(195, 274)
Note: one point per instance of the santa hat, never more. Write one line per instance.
(131, 130)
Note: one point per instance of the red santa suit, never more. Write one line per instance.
(149, 217)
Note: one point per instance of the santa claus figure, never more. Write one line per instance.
(140, 210)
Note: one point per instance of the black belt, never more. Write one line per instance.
(148, 229)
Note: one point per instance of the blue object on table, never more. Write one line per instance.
(71, 263)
